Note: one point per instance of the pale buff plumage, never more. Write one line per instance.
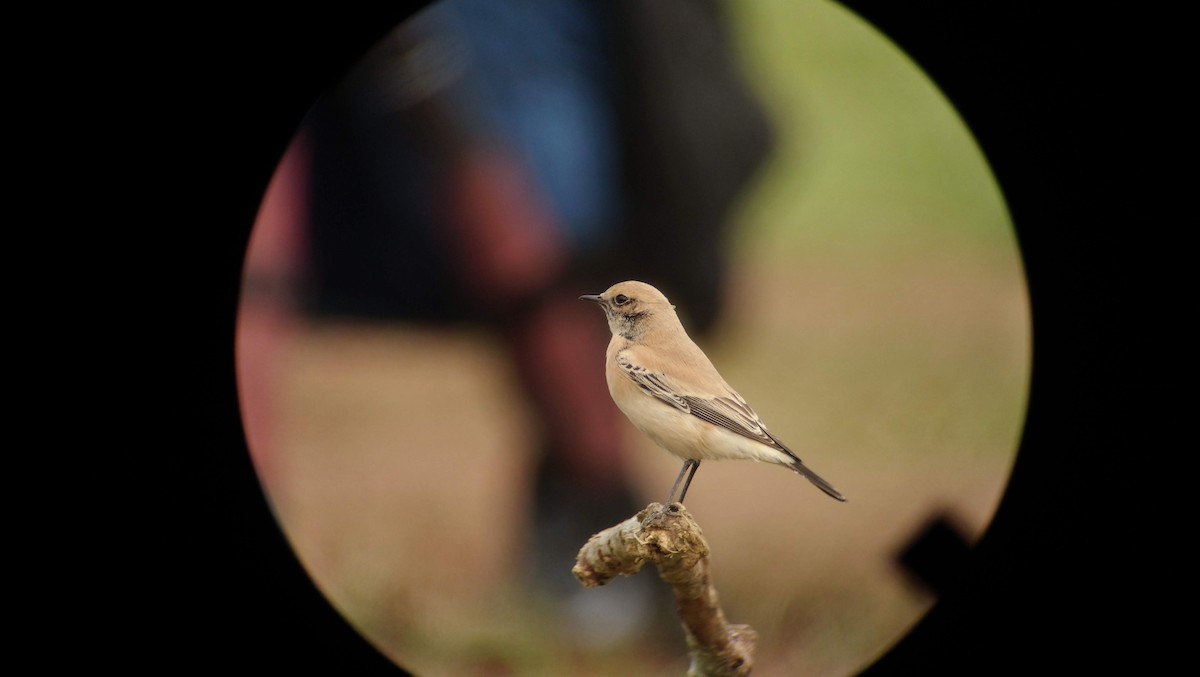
(670, 391)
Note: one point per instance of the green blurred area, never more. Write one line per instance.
(870, 157)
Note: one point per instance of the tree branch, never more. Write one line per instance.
(670, 539)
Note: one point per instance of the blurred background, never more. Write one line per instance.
(424, 396)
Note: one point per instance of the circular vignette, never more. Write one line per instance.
(863, 287)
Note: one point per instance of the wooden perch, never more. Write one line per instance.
(671, 539)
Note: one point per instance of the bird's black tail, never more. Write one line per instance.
(816, 479)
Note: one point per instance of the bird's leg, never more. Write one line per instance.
(690, 464)
(687, 483)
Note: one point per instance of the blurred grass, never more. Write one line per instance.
(878, 324)
(871, 157)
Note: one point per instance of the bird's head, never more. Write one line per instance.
(632, 307)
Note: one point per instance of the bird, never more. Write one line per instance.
(669, 389)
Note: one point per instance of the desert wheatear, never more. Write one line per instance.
(670, 390)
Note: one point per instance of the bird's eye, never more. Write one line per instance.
(620, 299)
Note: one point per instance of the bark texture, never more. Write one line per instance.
(671, 539)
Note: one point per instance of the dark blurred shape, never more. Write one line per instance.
(587, 142)
(693, 136)
(937, 556)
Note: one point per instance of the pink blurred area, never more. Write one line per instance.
(267, 314)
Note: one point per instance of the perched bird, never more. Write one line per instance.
(669, 389)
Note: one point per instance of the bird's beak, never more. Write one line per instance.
(592, 297)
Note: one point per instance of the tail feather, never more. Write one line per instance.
(816, 479)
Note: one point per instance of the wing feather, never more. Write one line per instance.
(737, 417)
(729, 411)
(655, 384)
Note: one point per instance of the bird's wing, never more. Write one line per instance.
(732, 413)
(653, 383)
(729, 410)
